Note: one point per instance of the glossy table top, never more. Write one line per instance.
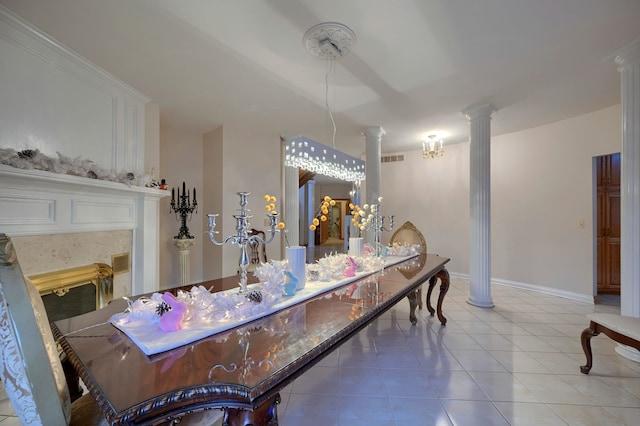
(239, 368)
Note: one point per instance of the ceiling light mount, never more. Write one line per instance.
(329, 40)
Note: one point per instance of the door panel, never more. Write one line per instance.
(608, 224)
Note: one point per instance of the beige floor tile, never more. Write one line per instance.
(517, 363)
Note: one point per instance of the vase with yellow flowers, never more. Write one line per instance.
(322, 213)
(296, 255)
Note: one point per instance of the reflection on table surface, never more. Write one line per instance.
(242, 367)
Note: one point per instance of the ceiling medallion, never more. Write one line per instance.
(329, 40)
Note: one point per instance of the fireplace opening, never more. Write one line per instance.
(75, 291)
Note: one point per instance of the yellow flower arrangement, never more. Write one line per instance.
(270, 207)
(362, 216)
(323, 211)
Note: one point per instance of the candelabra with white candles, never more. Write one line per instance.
(243, 228)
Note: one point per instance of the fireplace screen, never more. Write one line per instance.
(75, 291)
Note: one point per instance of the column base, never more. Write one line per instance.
(482, 303)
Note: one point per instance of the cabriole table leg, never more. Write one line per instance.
(443, 275)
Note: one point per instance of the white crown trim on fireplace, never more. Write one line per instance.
(35, 202)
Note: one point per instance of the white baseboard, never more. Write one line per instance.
(579, 297)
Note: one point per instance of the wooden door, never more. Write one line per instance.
(608, 224)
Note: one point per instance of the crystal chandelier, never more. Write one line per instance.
(308, 154)
(432, 148)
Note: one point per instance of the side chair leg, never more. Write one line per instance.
(432, 283)
(413, 303)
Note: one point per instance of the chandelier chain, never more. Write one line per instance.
(330, 67)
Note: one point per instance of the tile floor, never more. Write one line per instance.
(515, 364)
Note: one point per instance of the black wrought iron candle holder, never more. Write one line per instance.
(183, 206)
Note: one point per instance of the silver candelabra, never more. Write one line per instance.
(378, 225)
(242, 238)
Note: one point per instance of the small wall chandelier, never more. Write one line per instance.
(432, 148)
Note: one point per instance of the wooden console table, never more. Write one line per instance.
(241, 370)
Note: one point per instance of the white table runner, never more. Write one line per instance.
(152, 340)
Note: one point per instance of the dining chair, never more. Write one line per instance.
(409, 234)
(258, 250)
(30, 367)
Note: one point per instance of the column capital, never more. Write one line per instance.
(184, 243)
(630, 54)
(479, 111)
(373, 133)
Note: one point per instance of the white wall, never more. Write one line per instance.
(213, 199)
(219, 164)
(152, 140)
(251, 163)
(541, 187)
(434, 195)
(181, 160)
(55, 101)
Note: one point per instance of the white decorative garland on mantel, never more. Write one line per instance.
(33, 159)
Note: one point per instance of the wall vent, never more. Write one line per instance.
(392, 158)
(120, 263)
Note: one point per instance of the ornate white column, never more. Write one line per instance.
(629, 61)
(373, 137)
(292, 205)
(480, 204)
(184, 265)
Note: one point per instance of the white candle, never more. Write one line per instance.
(356, 246)
(296, 263)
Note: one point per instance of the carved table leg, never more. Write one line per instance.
(443, 274)
(73, 380)
(585, 338)
(266, 414)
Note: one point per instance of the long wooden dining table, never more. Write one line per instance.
(241, 370)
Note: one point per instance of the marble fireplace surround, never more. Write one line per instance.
(59, 221)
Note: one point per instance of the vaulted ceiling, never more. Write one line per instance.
(414, 67)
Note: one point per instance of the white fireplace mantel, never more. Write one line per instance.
(35, 202)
